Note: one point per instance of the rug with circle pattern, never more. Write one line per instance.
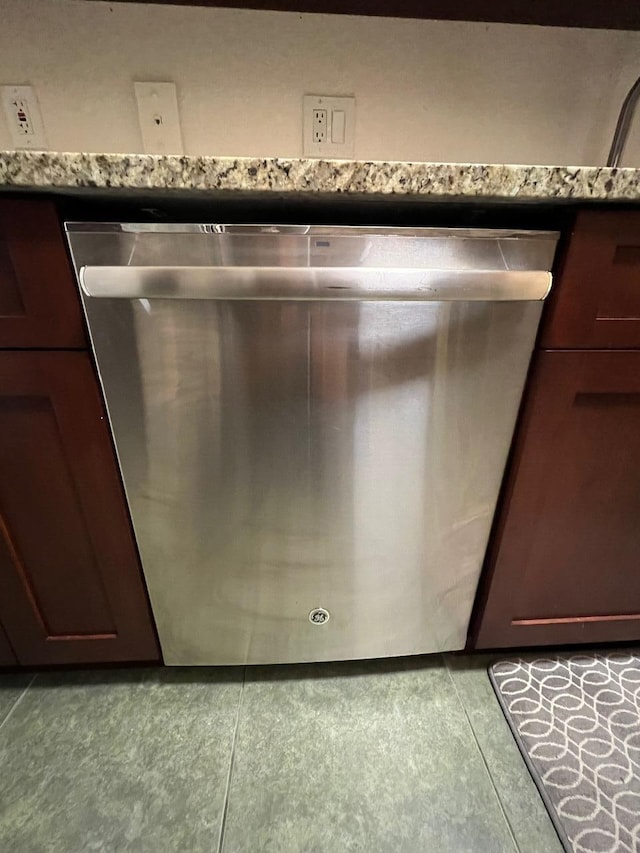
(577, 722)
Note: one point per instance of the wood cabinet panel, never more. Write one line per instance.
(39, 305)
(72, 587)
(596, 300)
(564, 564)
(615, 14)
(7, 657)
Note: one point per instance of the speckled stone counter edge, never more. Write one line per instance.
(32, 169)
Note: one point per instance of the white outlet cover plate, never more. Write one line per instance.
(330, 149)
(28, 133)
(159, 118)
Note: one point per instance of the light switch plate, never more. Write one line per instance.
(23, 116)
(339, 124)
(159, 119)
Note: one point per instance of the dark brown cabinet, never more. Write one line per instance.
(596, 303)
(616, 14)
(39, 305)
(7, 657)
(564, 566)
(72, 590)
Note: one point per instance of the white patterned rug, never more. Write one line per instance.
(577, 722)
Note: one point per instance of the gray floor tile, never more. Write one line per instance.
(12, 686)
(372, 757)
(118, 761)
(523, 806)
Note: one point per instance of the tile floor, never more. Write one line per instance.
(400, 755)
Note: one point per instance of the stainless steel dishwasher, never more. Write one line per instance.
(312, 424)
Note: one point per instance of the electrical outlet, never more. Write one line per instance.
(158, 116)
(23, 117)
(319, 125)
(328, 126)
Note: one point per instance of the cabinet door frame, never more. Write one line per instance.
(51, 316)
(558, 377)
(68, 382)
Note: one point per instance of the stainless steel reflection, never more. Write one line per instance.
(287, 456)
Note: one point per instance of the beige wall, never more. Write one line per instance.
(425, 90)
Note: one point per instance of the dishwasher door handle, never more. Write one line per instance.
(359, 284)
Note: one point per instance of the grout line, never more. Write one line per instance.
(18, 701)
(482, 756)
(223, 822)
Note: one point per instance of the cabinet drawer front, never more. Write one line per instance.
(563, 563)
(39, 304)
(596, 299)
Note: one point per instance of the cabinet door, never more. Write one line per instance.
(7, 657)
(71, 585)
(564, 564)
(39, 304)
(595, 302)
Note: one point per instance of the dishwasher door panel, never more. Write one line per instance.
(285, 456)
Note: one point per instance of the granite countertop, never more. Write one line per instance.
(53, 170)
